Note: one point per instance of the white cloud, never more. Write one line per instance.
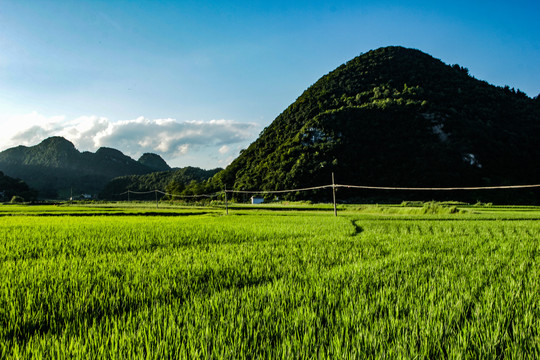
(224, 149)
(183, 149)
(168, 137)
(28, 129)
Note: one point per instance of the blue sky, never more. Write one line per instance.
(197, 81)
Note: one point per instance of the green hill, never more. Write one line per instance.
(55, 167)
(154, 162)
(173, 181)
(10, 187)
(397, 117)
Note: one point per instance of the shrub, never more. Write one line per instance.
(17, 199)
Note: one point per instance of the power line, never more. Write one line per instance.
(136, 192)
(334, 186)
(168, 194)
(438, 188)
(277, 191)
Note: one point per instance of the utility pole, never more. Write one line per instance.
(226, 204)
(157, 206)
(334, 194)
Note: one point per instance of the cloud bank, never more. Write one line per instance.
(212, 142)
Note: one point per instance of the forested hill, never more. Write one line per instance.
(174, 181)
(55, 167)
(10, 187)
(396, 117)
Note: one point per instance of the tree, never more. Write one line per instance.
(174, 187)
(17, 199)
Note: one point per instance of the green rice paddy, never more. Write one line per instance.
(274, 283)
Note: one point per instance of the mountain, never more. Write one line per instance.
(55, 167)
(397, 117)
(154, 162)
(173, 181)
(10, 187)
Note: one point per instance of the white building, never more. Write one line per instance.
(256, 200)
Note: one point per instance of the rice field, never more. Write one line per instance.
(192, 283)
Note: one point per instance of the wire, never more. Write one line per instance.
(334, 186)
(191, 196)
(167, 194)
(137, 192)
(438, 188)
(277, 191)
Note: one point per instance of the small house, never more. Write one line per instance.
(257, 200)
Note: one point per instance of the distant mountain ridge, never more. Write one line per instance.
(55, 167)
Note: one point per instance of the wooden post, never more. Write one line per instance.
(334, 194)
(226, 204)
(128, 195)
(157, 206)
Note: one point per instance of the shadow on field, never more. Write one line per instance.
(455, 219)
(96, 312)
(357, 228)
(86, 214)
(277, 208)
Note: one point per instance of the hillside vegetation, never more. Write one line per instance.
(391, 117)
(185, 181)
(397, 117)
(10, 187)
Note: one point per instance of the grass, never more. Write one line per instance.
(120, 282)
